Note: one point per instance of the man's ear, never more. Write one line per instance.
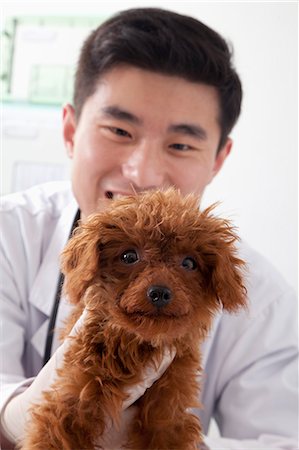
(222, 155)
(69, 128)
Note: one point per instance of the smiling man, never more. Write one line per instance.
(156, 97)
(142, 130)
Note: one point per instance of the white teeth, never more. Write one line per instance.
(113, 196)
(117, 196)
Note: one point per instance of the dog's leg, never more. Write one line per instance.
(72, 414)
(163, 421)
(63, 422)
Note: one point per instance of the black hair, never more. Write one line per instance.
(165, 42)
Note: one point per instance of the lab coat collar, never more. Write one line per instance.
(44, 288)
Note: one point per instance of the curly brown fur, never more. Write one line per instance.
(124, 329)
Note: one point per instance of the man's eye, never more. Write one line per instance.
(181, 147)
(129, 257)
(119, 131)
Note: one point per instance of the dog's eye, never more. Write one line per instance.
(129, 257)
(189, 263)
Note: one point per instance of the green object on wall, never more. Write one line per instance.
(39, 58)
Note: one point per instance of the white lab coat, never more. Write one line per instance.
(249, 379)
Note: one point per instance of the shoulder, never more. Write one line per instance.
(29, 219)
(49, 198)
(265, 285)
(272, 302)
(267, 324)
(35, 224)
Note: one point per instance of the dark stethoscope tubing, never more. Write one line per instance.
(54, 312)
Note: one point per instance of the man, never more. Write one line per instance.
(155, 99)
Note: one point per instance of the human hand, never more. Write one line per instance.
(16, 412)
(115, 436)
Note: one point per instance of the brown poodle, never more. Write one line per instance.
(151, 271)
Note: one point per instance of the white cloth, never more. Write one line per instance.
(250, 368)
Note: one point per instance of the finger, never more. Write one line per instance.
(78, 324)
(151, 373)
(115, 437)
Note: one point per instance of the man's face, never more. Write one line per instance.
(142, 130)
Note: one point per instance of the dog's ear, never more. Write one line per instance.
(80, 259)
(224, 270)
(227, 280)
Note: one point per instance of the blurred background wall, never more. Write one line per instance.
(257, 186)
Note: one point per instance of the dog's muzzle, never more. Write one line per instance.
(159, 296)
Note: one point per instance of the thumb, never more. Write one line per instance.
(151, 373)
(115, 437)
(78, 324)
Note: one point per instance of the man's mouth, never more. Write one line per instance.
(109, 194)
(115, 195)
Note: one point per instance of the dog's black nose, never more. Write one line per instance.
(159, 295)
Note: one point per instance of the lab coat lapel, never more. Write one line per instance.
(45, 285)
(44, 288)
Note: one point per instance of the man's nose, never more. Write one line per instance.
(145, 167)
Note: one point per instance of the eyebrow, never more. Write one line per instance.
(117, 113)
(189, 130)
(186, 129)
